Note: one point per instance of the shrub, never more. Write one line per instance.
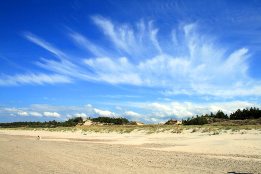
(252, 113)
(109, 120)
(220, 114)
(195, 121)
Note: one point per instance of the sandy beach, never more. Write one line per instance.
(136, 152)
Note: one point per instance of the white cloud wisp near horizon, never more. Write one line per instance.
(150, 112)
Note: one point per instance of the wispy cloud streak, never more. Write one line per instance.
(87, 44)
(37, 79)
(42, 43)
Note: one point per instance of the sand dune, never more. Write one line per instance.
(136, 152)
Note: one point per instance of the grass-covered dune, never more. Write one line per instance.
(151, 128)
(245, 119)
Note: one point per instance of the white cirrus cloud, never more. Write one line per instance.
(32, 78)
(83, 42)
(195, 64)
(139, 40)
(117, 35)
(116, 72)
(42, 43)
(185, 61)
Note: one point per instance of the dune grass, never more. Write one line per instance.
(149, 129)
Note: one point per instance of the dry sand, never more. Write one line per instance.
(136, 152)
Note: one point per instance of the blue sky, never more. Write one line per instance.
(144, 60)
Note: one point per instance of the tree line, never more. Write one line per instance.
(110, 120)
(248, 113)
(47, 124)
(69, 123)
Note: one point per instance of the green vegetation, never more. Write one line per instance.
(69, 123)
(221, 118)
(243, 117)
(195, 120)
(50, 124)
(109, 120)
(252, 113)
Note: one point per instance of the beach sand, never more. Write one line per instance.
(136, 152)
